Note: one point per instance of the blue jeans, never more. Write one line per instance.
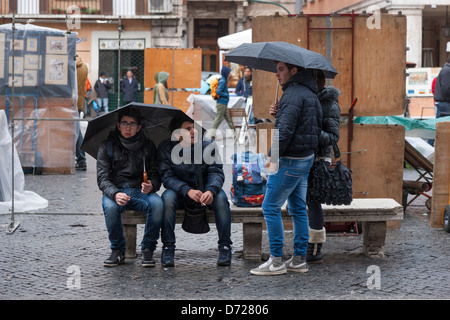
(289, 183)
(102, 102)
(151, 204)
(220, 205)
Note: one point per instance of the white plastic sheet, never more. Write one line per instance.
(23, 200)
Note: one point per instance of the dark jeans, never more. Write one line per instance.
(442, 107)
(220, 206)
(151, 204)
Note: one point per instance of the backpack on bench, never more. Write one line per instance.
(249, 172)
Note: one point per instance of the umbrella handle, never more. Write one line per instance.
(145, 177)
(276, 95)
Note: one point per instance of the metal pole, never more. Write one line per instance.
(13, 224)
(118, 64)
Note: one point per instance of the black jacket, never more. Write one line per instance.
(299, 118)
(119, 167)
(331, 112)
(442, 89)
(129, 89)
(180, 177)
(102, 89)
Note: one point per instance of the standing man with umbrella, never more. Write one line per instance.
(297, 130)
(122, 161)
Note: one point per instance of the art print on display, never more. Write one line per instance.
(18, 45)
(18, 82)
(30, 78)
(18, 65)
(32, 45)
(56, 45)
(31, 61)
(56, 69)
(2, 55)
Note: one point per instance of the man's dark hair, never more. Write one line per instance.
(177, 121)
(291, 66)
(448, 59)
(131, 112)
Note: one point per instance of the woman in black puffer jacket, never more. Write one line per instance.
(328, 97)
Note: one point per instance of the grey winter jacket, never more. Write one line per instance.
(328, 98)
(119, 167)
(299, 118)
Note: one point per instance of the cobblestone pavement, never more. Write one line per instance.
(56, 255)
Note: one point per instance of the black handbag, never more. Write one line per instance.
(195, 219)
(330, 186)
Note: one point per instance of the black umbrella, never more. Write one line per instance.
(261, 55)
(156, 120)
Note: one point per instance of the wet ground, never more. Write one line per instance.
(57, 254)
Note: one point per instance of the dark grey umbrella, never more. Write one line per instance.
(155, 124)
(262, 55)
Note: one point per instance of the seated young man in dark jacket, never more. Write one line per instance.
(179, 174)
(120, 168)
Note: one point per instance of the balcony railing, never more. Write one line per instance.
(90, 7)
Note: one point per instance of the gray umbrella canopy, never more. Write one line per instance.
(262, 56)
(156, 120)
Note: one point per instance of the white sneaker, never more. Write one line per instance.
(273, 266)
(297, 264)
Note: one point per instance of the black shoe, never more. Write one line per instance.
(313, 254)
(147, 258)
(117, 257)
(224, 256)
(80, 166)
(167, 257)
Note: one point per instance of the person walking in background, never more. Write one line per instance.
(328, 97)
(101, 87)
(160, 92)
(129, 86)
(244, 85)
(297, 131)
(222, 102)
(82, 74)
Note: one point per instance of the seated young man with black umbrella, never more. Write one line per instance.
(179, 163)
(121, 161)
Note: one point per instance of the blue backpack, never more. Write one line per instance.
(250, 172)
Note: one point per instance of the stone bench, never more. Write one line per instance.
(373, 213)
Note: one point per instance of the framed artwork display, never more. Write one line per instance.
(18, 82)
(32, 45)
(31, 61)
(56, 68)
(30, 78)
(18, 65)
(2, 55)
(18, 45)
(56, 45)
